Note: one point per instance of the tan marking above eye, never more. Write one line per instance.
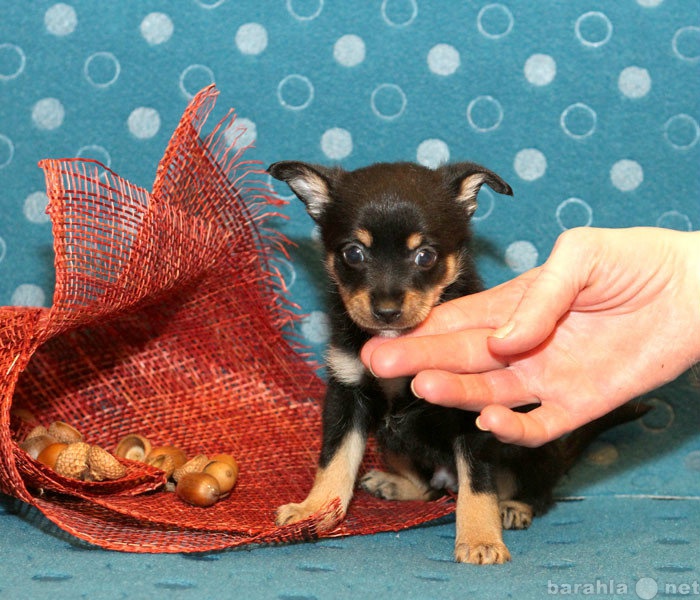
(365, 237)
(414, 240)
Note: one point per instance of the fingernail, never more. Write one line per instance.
(369, 368)
(413, 390)
(503, 332)
(479, 424)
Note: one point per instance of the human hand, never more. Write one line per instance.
(611, 314)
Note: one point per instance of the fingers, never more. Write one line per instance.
(487, 309)
(539, 426)
(471, 392)
(494, 394)
(460, 352)
(549, 296)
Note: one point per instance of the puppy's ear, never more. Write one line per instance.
(311, 183)
(465, 180)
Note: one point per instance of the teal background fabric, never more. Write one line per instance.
(589, 109)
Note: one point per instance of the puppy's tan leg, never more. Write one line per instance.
(479, 538)
(336, 480)
(401, 484)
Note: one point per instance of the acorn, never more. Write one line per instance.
(199, 489)
(72, 461)
(224, 473)
(178, 456)
(133, 447)
(64, 432)
(49, 455)
(227, 458)
(34, 445)
(194, 465)
(102, 465)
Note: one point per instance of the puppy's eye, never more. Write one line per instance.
(353, 255)
(425, 258)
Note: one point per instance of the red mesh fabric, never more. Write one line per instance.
(168, 320)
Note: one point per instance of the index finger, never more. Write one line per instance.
(490, 308)
(459, 352)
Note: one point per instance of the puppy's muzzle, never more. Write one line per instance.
(387, 311)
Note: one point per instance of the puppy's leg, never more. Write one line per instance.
(403, 483)
(334, 480)
(479, 537)
(344, 440)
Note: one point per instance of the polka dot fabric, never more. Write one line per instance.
(590, 110)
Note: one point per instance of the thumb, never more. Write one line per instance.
(548, 297)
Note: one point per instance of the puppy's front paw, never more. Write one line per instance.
(515, 515)
(328, 517)
(486, 553)
(291, 513)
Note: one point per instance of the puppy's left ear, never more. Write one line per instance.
(310, 183)
(465, 180)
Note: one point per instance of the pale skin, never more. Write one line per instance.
(611, 315)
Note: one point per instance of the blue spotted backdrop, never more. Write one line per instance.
(589, 109)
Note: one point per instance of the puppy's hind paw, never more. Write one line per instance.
(515, 515)
(379, 484)
(494, 553)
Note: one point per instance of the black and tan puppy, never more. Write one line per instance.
(397, 242)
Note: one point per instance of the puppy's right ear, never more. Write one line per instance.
(311, 183)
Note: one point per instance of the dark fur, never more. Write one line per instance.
(386, 204)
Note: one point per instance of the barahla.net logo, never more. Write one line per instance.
(645, 588)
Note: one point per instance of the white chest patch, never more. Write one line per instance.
(345, 366)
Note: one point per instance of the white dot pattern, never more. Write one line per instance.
(48, 114)
(251, 39)
(349, 50)
(157, 28)
(61, 19)
(144, 122)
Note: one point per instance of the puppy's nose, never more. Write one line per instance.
(386, 313)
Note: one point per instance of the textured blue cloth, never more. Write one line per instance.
(588, 109)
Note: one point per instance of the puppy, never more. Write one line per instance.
(397, 242)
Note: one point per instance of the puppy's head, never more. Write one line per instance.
(395, 235)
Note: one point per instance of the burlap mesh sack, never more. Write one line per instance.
(167, 320)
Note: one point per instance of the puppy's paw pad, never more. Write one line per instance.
(515, 515)
(494, 553)
(379, 484)
(291, 513)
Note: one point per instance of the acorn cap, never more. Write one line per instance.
(72, 461)
(64, 432)
(133, 447)
(36, 432)
(194, 465)
(103, 465)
